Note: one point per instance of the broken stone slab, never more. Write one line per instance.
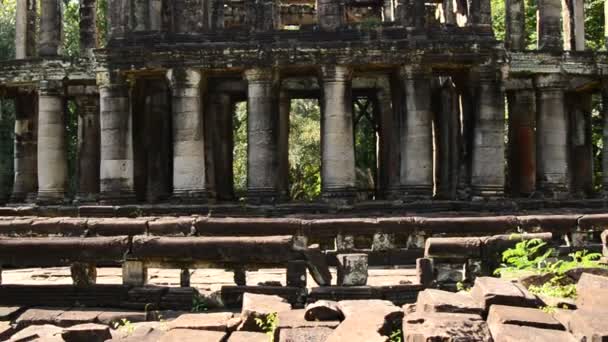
(425, 272)
(316, 334)
(380, 308)
(592, 292)
(6, 330)
(77, 316)
(529, 317)
(352, 269)
(576, 273)
(110, 317)
(203, 321)
(431, 300)
(358, 329)
(188, 335)
(46, 332)
(588, 325)
(458, 248)
(8, 313)
(38, 316)
(90, 332)
(556, 302)
(519, 333)
(490, 291)
(440, 326)
(323, 310)
(248, 336)
(260, 306)
(139, 332)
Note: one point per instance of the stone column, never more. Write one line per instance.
(388, 11)
(480, 13)
(25, 183)
(116, 158)
(88, 148)
(388, 142)
(549, 25)
(50, 28)
(573, 21)
(515, 21)
(552, 136)
(417, 134)
(188, 16)
(118, 16)
(606, 23)
(605, 136)
(337, 140)
(52, 144)
(447, 140)
(141, 15)
(88, 27)
(330, 14)
(155, 15)
(189, 169)
(262, 136)
(25, 29)
(488, 159)
(522, 141)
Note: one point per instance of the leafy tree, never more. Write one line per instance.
(7, 112)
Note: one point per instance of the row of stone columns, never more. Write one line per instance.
(49, 42)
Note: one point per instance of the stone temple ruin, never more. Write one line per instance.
(476, 139)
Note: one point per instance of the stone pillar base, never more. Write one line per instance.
(83, 275)
(264, 196)
(122, 197)
(411, 193)
(487, 192)
(50, 197)
(134, 273)
(346, 195)
(199, 196)
(21, 197)
(85, 198)
(554, 191)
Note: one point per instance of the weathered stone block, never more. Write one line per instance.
(445, 327)
(44, 332)
(134, 273)
(187, 335)
(588, 325)
(518, 333)
(529, 317)
(304, 334)
(453, 248)
(352, 269)
(592, 292)
(205, 321)
(247, 336)
(260, 306)
(89, 332)
(323, 310)
(296, 273)
(425, 272)
(489, 291)
(431, 300)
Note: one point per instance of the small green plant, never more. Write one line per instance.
(462, 287)
(527, 254)
(268, 324)
(396, 336)
(124, 324)
(198, 304)
(548, 309)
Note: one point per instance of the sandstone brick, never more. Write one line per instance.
(323, 310)
(592, 292)
(89, 332)
(352, 269)
(38, 316)
(77, 316)
(490, 291)
(589, 325)
(529, 317)
(445, 327)
(317, 334)
(44, 332)
(296, 319)
(187, 335)
(202, 321)
(452, 248)
(518, 333)
(248, 336)
(260, 306)
(8, 313)
(431, 300)
(6, 330)
(109, 317)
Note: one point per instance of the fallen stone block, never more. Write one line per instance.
(295, 319)
(589, 325)
(337, 293)
(323, 310)
(38, 316)
(352, 269)
(356, 329)
(8, 313)
(248, 336)
(110, 317)
(6, 330)
(451, 272)
(431, 300)
(373, 307)
(46, 332)
(260, 306)
(490, 291)
(139, 332)
(77, 316)
(187, 335)
(456, 248)
(445, 327)
(425, 272)
(317, 265)
(529, 317)
(518, 333)
(318, 334)
(203, 321)
(576, 273)
(89, 332)
(592, 292)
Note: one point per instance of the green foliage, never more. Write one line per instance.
(462, 287)
(305, 150)
(7, 29)
(71, 28)
(533, 255)
(239, 165)
(527, 254)
(396, 336)
(268, 324)
(199, 304)
(124, 324)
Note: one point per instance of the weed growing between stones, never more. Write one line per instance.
(199, 304)
(533, 256)
(124, 324)
(396, 336)
(268, 324)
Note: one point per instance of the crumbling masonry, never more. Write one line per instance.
(155, 105)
